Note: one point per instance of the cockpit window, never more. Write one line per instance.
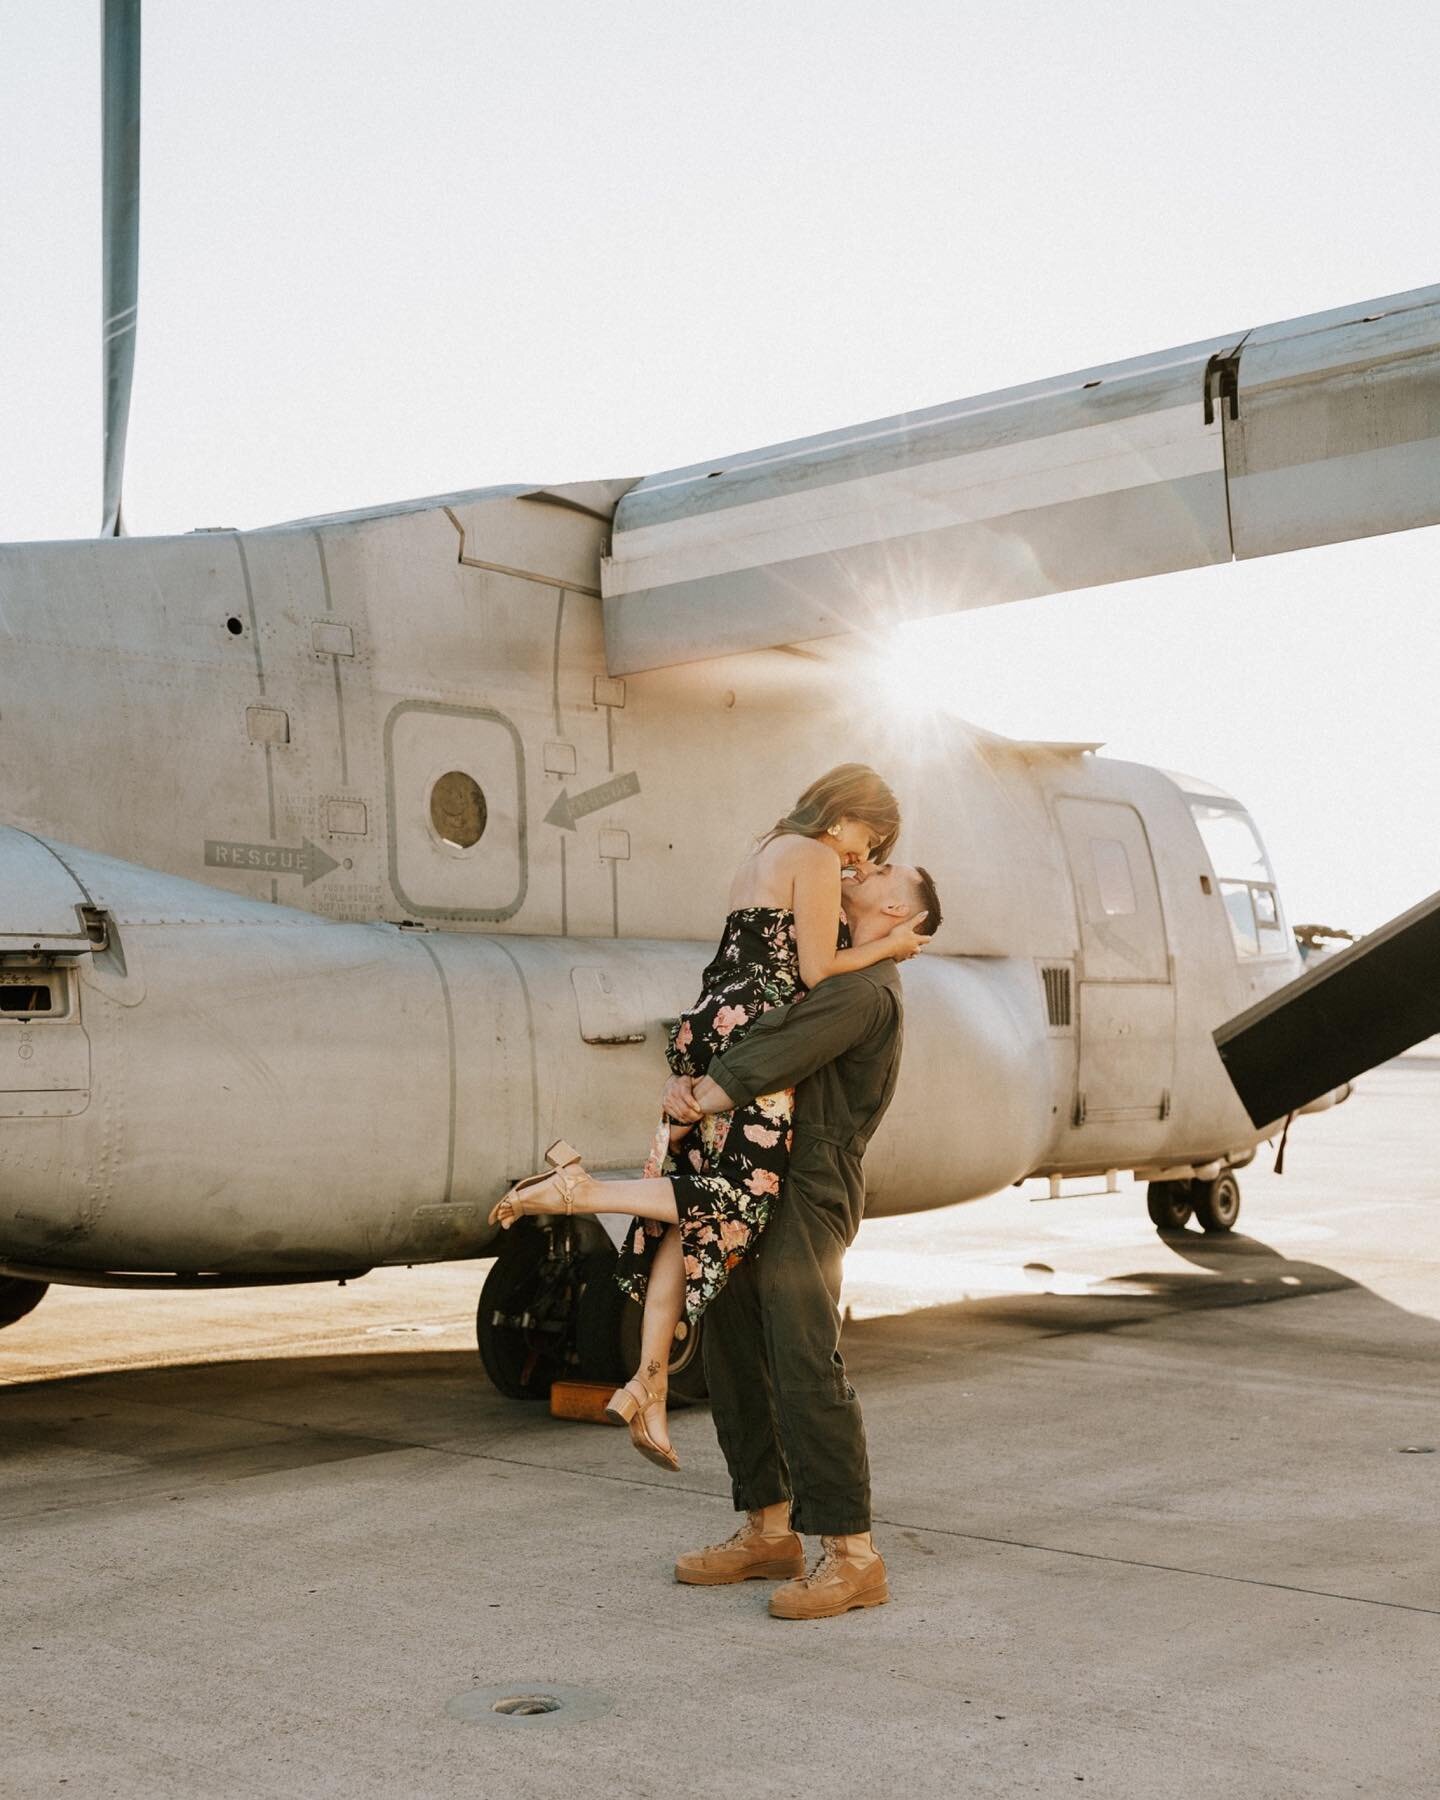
(1232, 843)
(1241, 910)
(1247, 885)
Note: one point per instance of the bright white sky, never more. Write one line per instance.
(395, 247)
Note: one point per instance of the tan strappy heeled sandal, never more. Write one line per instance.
(626, 1406)
(564, 1172)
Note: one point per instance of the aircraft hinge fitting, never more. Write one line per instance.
(1222, 382)
(97, 925)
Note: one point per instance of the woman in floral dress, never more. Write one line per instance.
(707, 1190)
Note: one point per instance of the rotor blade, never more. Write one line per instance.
(1307, 432)
(1342, 1016)
(120, 237)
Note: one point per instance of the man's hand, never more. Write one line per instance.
(677, 1100)
(904, 941)
(687, 1099)
(709, 1096)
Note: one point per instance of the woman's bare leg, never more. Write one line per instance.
(664, 1303)
(639, 1199)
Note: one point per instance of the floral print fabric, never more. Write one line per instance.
(729, 1168)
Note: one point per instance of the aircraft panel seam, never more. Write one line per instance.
(445, 994)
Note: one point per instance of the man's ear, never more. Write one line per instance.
(897, 909)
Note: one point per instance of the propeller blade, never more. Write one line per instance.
(120, 237)
(1342, 1016)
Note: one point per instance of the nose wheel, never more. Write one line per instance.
(1214, 1205)
(1217, 1203)
(1168, 1204)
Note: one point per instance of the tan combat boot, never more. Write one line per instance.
(748, 1555)
(850, 1573)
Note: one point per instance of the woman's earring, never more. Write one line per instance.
(834, 830)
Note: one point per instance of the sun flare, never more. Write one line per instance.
(917, 674)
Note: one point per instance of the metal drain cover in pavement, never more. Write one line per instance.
(528, 1705)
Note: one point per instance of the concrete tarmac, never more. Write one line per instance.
(1160, 1520)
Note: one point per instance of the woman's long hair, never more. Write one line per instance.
(852, 791)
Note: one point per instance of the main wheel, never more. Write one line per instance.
(19, 1297)
(598, 1322)
(1168, 1204)
(687, 1365)
(525, 1321)
(1217, 1203)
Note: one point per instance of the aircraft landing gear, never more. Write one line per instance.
(1168, 1204)
(1215, 1204)
(19, 1297)
(551, 1310)
(525, 1323)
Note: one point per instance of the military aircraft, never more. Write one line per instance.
(349, 861)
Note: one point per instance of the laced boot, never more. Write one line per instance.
(749, 1554)
(850, 1573)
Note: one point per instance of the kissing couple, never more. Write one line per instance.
(754, 1188)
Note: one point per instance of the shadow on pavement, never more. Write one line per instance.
(241, 1416)
(1228, 1271)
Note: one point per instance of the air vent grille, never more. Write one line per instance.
(1057, 995)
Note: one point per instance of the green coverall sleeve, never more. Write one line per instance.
(788, 1043)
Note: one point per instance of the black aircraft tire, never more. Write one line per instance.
(597, 1322)
(1217, 1203)
(1168, 1204)
(507, 1352)
(19, 1297)
(687, 1364)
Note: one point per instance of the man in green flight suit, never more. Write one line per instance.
(787, 1419)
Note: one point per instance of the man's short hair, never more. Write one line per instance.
(927, 897)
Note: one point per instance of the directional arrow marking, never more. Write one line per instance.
(566, 811)
(309, 861)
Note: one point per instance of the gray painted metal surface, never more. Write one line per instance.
(267, 1008)
(1129, 469)
(1337, 427)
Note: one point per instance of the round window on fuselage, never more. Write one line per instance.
(457, 810)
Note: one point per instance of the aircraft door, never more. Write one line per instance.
(1126, 1012)
(455, 784)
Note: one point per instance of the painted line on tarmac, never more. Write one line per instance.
(975, 1537)
(1133, 1562)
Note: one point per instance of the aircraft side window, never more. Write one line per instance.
(1112, 877)
(458, 813)
(1241, 909)
(1268, 917)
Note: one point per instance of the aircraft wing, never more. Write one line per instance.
(1306, 432)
